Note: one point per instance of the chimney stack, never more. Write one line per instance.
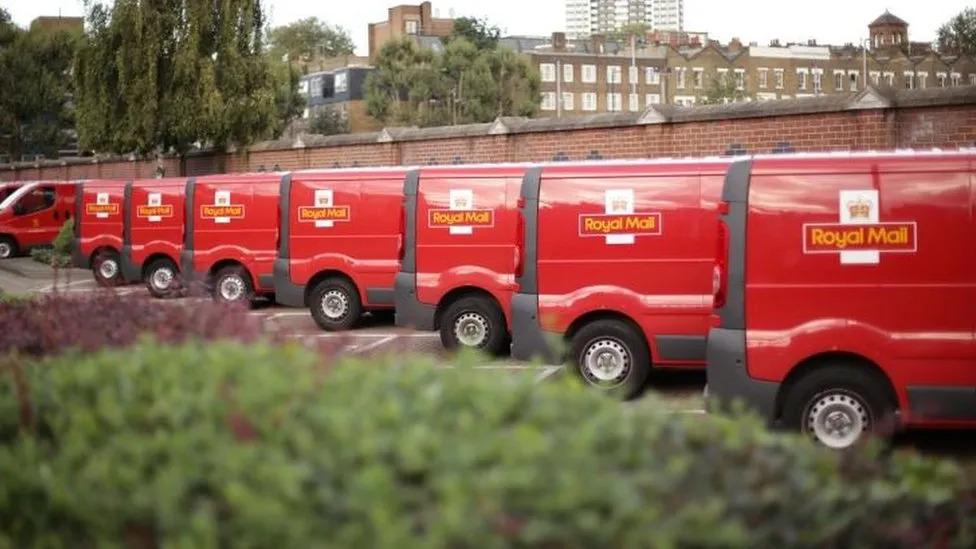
(599, 43)
(559, 41)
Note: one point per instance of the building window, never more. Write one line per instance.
(655, 99)
(614, 74)
(922, 80)
(568, 72)
(684, 100)
(740, 79)
(890, 78)
(652, 76)
(589, 101)
(817, 80)
(548, 101)
(633, 75)
(633, 101)
(876, 78)
(801, 77)
(589, 74)
(569, 101)
(305, 113)
(839, 80)
(763, 78)
(342, 82)
(780, 79)
(955, 79)
(972, 79)
(853, 76)
(699, 78)
(412, 28)
(614, 102)
(548, 72)
(909, 80)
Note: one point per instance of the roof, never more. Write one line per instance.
(888, 18)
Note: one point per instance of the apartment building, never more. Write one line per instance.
(417, 22)
(588, 17)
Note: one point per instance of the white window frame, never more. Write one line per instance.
(763, 77)
(698, 78)
(652, 99)
(615, 102)
(569, 101)
(740, 79)
(411, 27)
(548, 101)
(972, 79)
(921, 80)
(588, 101)
(875, 77)
(889, 78)
(817, 80)
(652, 76)
(680, 82)
(547, 72)
(588, 74)
(955, 79)
(633, 74)
(909, 80)
(854, 79)
(802, 78)
(633, 102)
(779, 78)
(839, 83)
(615, 74)
(568, 74)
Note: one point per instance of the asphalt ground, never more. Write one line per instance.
(677, 391)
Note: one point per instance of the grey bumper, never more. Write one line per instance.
(287, 293)
(529, 341)
(410, 312)
(729, 380)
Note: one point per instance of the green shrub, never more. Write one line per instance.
(59, 253)
(263, 446)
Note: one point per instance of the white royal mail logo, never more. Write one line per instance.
(860, 237)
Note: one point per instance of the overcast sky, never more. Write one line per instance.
(829, 21)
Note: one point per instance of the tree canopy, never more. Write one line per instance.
(309, 38)
(167, 75)
(958, 35)
(35, 108)
(479, 32)
(465, 84)
(723, 89)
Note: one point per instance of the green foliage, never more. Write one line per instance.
(289, 102)
(168, 75)
(329, 121)
(465, 84)
(721, 90)
(624, 34)
(479, 32)
(308, 39)
(958, 35)
(258, 446)
(59, 254)
(35, 111)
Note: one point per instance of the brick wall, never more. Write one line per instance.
(919, 120)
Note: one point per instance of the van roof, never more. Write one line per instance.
(863, 161)
(253, 177)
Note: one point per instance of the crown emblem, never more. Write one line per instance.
(859, 209)
(460, 202)
(619, 205)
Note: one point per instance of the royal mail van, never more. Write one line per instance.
(340, 245)
(231, 235)
(33, 214)
(846, 293)
(98, 229)
(458, 270)
(617, 267)
(152, 236)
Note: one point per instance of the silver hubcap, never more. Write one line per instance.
(232, 288)
(5, 250)
(606, 363)
(108, 269)
(162, 278)
(837, 419)
(335, 304)
(471, 329)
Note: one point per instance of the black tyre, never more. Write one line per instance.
(839, 406)
(163, 279)
(474, 322)
(233, 285)
(612, 356)
(335, 304)
(8, 247)
(107, 269)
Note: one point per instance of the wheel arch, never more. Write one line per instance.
(462, 292)
(155, 257)
(99, 250)
(605, 314)
(224, 263)
(832, 358)
(325, 275)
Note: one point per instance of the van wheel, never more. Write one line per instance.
(474, 322)
(837, 406)
(8, 247)
(335, 304)
(233, 285)
(611, 356)
(107, 269)
(162, 278)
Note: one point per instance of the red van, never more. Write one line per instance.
(8, 188)
(340, 245)
(618, 263)
(33, 215)
(458, 270)
(846, 296)
(231, 236)
(152, 236)
(98, 229)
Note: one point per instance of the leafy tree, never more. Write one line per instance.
(309, 38)
(35, 111)
(172, 74)
(329, 121)
(721, 90)
(463, 85)
(958, 35)
(479, 32)
(289, 102)
(638, 30)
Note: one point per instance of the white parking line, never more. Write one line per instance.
(65, 284)
(276, 316)
(376, 344)
(352, 335)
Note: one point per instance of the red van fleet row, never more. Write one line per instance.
(231, 234)
(340, 242)
(98, 229)
(618, 264)
(33, 214)
(847, 295)
(461, 254)
(153, 234)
